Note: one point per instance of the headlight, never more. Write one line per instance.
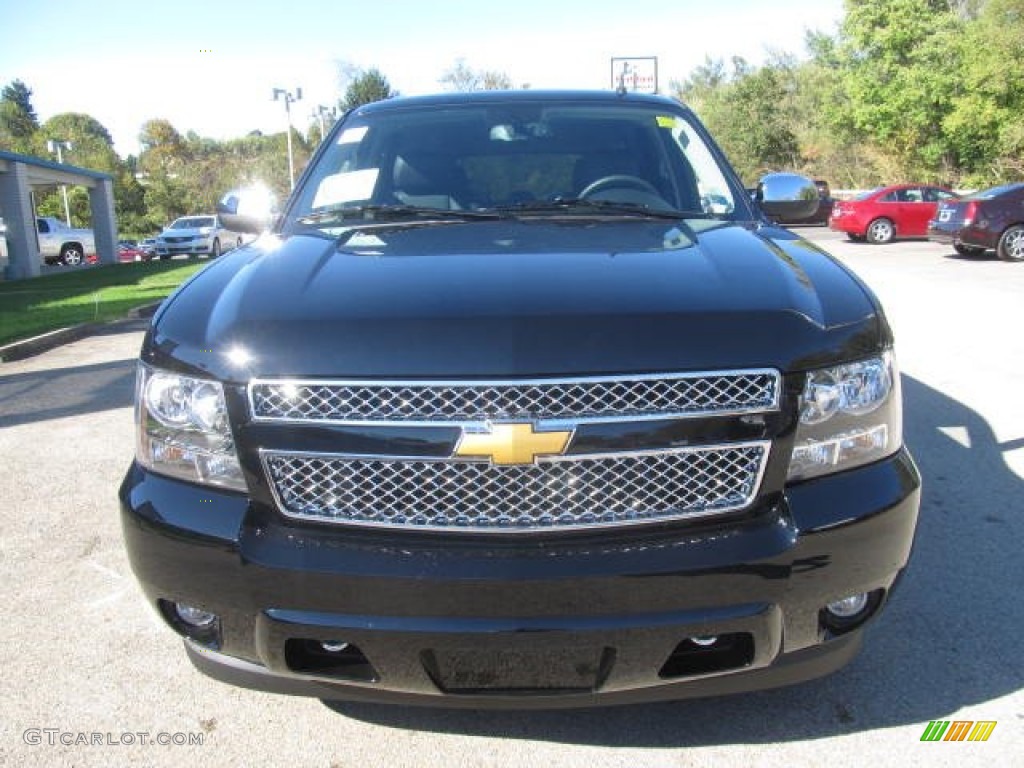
(850, 415)
(183, 429)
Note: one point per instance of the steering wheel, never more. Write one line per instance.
(618, 181)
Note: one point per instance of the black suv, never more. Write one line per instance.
(520, 402)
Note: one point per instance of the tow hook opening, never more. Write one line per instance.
(705, 654)
(328, 658)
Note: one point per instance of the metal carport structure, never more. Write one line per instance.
(18, 174)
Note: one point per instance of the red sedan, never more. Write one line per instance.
(131, 253)
(127, 251)
(883, 214)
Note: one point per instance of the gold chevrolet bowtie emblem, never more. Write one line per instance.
(512, 444)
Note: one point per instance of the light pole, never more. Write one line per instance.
(58, 146)
(320, 113)
(289, 97)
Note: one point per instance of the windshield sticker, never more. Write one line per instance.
(666, 121)
(346, 187)
(365, 240)
(352, 135)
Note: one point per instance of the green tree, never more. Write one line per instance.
(898, 63)
(745, 110)
(90, 147)
(20, 95)
(18, 121)
(985, 124)
(460, 77)
(365, 88)
(187, 174)
(163, 148)
(91, 144)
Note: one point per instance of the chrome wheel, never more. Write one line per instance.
(72, 256)
(881, 231)
(1011, 244)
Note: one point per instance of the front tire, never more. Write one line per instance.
(215, 248)
(1011, 244)
(881, 231)
(71, 255)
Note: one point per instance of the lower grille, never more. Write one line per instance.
(557, 493)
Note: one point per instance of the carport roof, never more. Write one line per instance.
(46, 172)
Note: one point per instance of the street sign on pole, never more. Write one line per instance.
(635, 74)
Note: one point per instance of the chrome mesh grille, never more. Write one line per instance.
(579, 399)
(555, 493)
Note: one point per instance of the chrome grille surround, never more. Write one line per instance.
(554, 493)
(636, 397)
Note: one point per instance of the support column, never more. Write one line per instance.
(16, 204)
(104, 222)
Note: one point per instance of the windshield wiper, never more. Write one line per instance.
(360, 214)
(587, 205)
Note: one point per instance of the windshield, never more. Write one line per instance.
(193, 222)
(530, 158)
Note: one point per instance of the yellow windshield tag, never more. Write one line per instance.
(666, 121)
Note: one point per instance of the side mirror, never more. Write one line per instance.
(787, 195)
(251, 210)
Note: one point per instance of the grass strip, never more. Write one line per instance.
(88, 295)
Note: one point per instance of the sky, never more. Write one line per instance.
(211, 66)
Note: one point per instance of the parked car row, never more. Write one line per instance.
(202, 235)
(989, 220)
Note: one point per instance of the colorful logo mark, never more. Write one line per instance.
(958, 730)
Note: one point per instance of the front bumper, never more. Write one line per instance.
(508, 622)
(194, 248)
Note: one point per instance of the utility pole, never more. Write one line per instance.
(320, 113)
(289, 97)
(58, 146)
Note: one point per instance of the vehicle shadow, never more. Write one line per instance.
(35, 396)
(986, 256)
(949, 639)
(27, 397)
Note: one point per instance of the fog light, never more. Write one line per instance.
(195, 617)
(848, 607)
(333, 646)
(704, 641)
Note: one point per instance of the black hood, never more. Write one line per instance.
(511, 298)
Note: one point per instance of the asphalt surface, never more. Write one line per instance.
(91, 677)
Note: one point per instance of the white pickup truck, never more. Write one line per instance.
(61, 244)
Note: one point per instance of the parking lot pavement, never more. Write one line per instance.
(91, 677)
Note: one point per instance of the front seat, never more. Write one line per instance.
(428, 181)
